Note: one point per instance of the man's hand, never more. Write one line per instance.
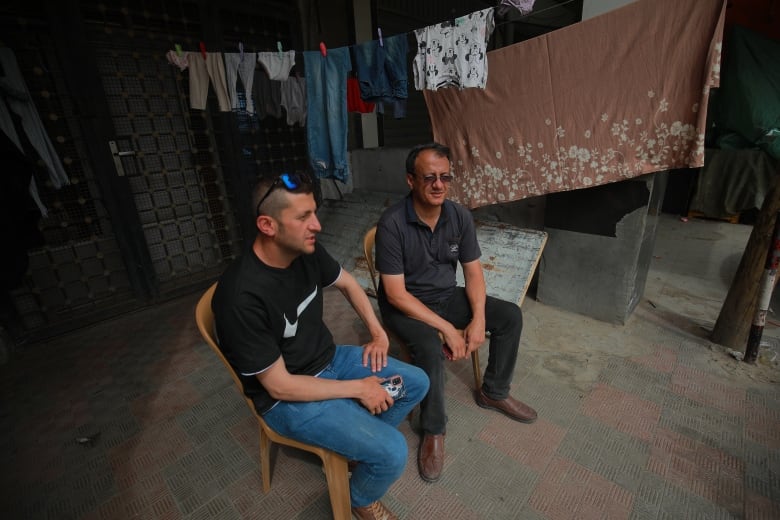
(373, 396)
(474, 335)
(375, 351)
(456, 342)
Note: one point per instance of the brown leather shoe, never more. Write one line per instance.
(430, 458)
(510, 407)
(373, 511)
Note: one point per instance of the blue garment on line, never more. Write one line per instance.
(382, 72)
(326, 115)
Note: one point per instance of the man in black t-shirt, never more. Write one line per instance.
(419, 242)
(268, 313)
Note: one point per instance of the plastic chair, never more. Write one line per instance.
(334, 464)
(368, 250)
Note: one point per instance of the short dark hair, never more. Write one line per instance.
(275, 203)
(438, 149)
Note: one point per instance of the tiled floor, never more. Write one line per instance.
(135, 418)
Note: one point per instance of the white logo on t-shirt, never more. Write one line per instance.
(291, 328)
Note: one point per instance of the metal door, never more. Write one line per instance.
(154, 151)
(151, 211)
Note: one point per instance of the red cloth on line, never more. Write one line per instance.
(354, 101)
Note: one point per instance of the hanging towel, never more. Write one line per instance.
(611, 98)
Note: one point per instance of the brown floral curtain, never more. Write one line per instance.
(607, 99)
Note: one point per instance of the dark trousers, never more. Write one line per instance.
(504, 322)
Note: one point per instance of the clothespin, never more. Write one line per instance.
(178, 49)
(381, 41)
(241, 51)
(202, 50)
(323, 49)
(279, 47)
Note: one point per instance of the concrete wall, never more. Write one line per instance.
(597, 265)
(379, 169)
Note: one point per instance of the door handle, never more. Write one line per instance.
(117, 155)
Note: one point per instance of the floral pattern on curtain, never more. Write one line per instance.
(607, 99)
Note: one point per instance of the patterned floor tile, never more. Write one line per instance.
(661, 360)
(704, 471)
(567, 491)
(622, 411)
(762, 423)
(616, 456)
(632, 424)
(708, 389)
(532, 445)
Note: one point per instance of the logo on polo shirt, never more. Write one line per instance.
(454, 248)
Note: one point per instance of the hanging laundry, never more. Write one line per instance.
(355, 103)
(611, 98)
(277, 64)
(294, 100)
(524, 6)
(241, 64)
(14, 90)
(201, 71)
(453, 54)
(180, 60)
(326, 114)
(268, 95)
(382, 72)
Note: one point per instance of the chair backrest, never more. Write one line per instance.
(204, 317)
(368, 252)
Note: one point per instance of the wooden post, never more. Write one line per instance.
(736, 316)
(765, 294)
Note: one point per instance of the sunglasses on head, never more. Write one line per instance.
(289, 181)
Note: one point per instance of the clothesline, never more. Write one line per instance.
(521, 18)
(447, 54)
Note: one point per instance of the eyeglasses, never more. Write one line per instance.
(289, 181)
(446, 178)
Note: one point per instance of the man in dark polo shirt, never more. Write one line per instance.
(419, 242)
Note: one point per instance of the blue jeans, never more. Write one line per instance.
(326, 115)
(344, 426)
(503, 320)
(382, 72)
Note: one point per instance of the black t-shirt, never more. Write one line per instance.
(427, 259)
(262, 312)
